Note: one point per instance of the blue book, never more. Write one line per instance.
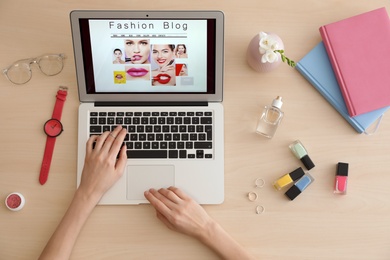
(317, 69)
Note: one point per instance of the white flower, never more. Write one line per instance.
(267, 46)
(269, 56)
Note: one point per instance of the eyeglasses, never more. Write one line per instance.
(20, 71)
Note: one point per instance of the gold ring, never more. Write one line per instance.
(259, 182)
(252, 196)
(259, 209)
(113, 136)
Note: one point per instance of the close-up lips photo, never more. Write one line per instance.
(137, 72)
(162, 78)
(136, 57)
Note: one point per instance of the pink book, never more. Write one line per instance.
(359, 50)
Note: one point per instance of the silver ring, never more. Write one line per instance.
(259, 182)
(260, 209)
(252, 196)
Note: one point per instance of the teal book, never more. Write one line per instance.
(315, 66)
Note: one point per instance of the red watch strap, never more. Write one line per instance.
(50, 141)
(61, 97)
(46, 162)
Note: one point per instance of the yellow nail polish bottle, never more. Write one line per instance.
(289, 178)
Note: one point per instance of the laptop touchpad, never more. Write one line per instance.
(144, 177)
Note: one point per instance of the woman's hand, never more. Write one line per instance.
(179, 212)
(102, 168)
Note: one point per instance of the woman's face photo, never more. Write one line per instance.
(118, 54)
(180, 49)
(183, 70)
(137, 50)
(162, 54)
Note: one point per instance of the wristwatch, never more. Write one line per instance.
(53, 128)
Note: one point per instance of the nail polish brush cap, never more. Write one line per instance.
(307, 162)
(297, 174)
(300, 152)
(293, 192)
(342, 169)
(299, 186)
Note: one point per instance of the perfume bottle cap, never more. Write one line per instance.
(277, 102)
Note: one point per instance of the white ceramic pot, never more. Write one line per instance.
(253, 54)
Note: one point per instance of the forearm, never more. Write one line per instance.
(63, 239)
(217, 239)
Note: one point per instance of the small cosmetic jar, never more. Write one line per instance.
(15, 201)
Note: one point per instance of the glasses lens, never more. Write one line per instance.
(50, 64)
(19, 73)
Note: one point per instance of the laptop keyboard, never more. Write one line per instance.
(174, 135)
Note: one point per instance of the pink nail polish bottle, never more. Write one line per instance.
(341, 180)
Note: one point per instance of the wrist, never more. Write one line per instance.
(207, 235)
(86, 198)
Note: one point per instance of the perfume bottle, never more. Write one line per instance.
(270, 118)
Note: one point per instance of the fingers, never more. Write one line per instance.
(113, 140)
(117, 136)
(121, 163)
(179, 193)
(109, 142)
(168, 68)
(170, 195)
(90, 143)
(100, 140)
(160, 207)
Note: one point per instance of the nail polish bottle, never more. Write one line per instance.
(288, 178)
(270, 118)
(341, 180)
(300, 152)
(299, 186)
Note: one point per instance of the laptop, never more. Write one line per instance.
(160, 75)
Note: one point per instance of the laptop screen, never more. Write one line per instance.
(139, 55)
(148, 55)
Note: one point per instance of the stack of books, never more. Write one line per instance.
(351, 67)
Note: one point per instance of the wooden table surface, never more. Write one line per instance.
(317, 225)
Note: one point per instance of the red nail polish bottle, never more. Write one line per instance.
(340, 184)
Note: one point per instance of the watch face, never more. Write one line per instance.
(53, 127)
